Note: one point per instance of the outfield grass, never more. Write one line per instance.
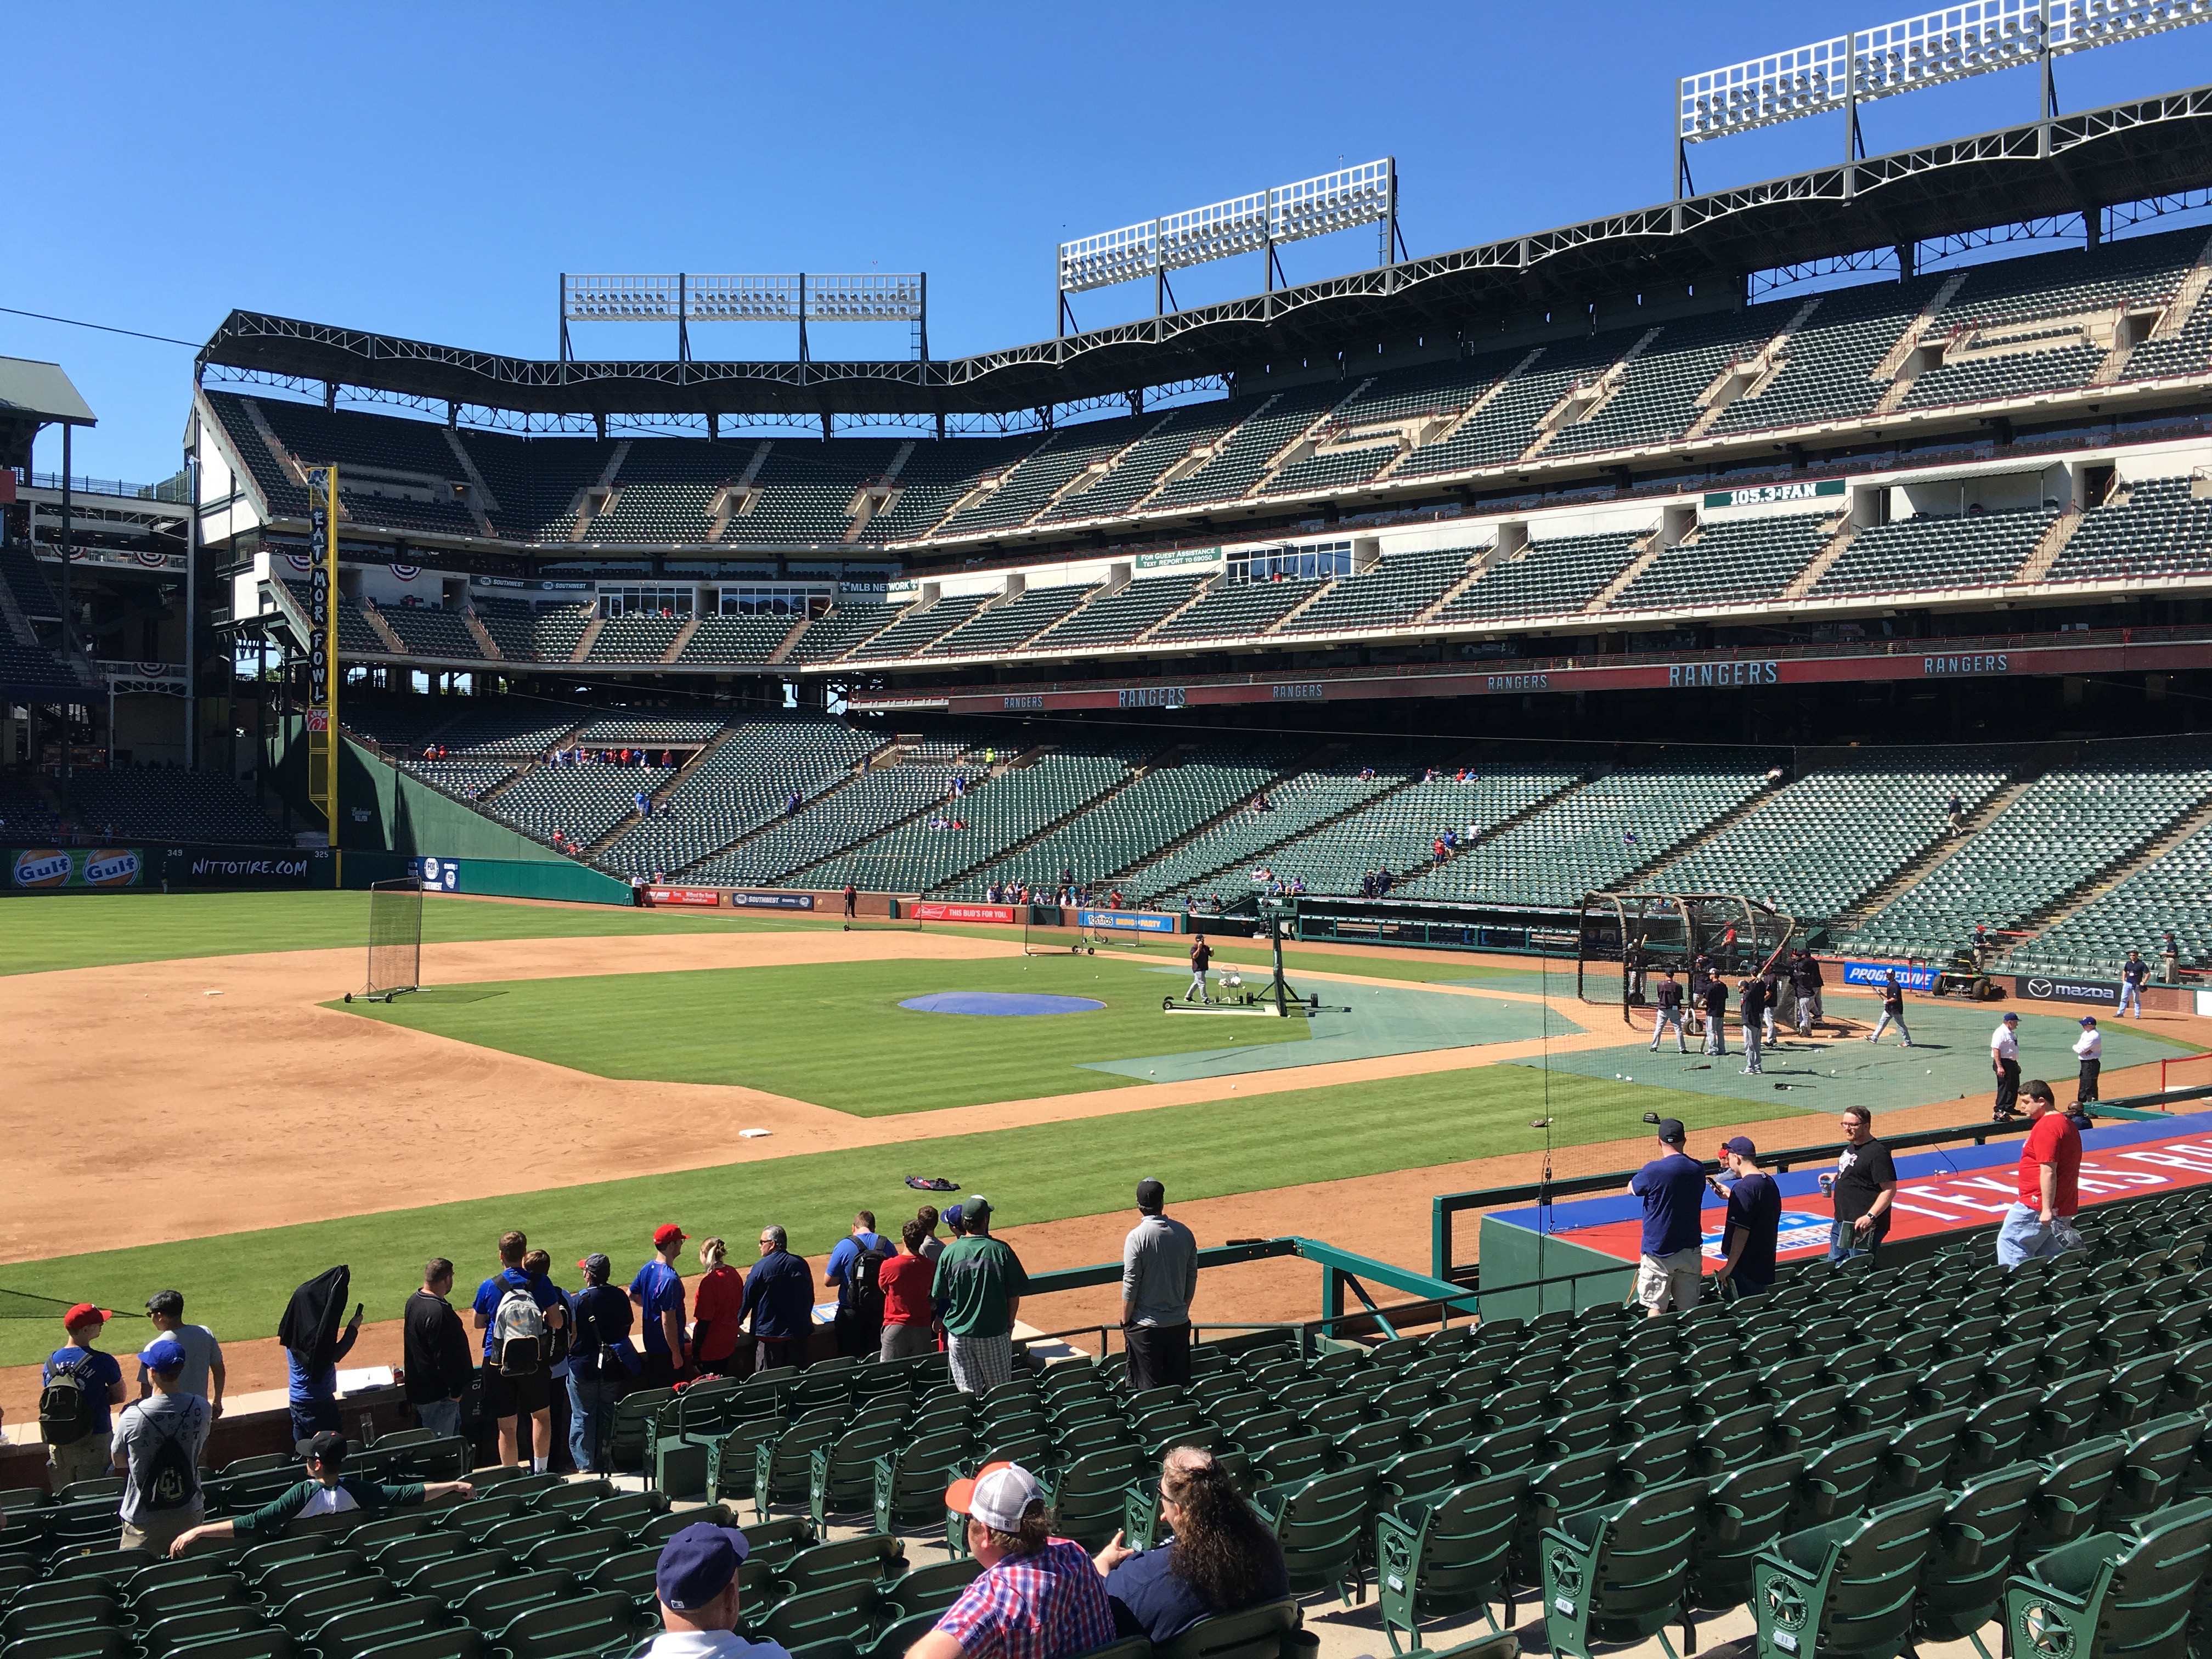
(832, 1033)
(238, 1283)
(94, 930)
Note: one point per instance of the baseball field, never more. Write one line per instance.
(198, 1107)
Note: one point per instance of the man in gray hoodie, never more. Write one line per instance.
(1159, 1276)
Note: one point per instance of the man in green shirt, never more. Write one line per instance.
(330, 1491)
(979, 1284)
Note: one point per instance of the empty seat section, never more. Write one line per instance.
(935, 476)
(1399, 832)
(1598, 834)
(1924, 552)
(2172, 894)
(1822, 842)
(558, 630)
(744, 784)
(634, 639)
(508, 623)
(919, 627)
(428, 631)
(806, 489)
(1268, 428)
(1049, 468)
(1172, 798)
(2074, 821)
(829, 824)
(915, 858)
(1237, 609)
(1827, 365)
(1121, 617)
(169, 805)
(1010, 623)
(1390, 595)
(1655, 397)
(1218, 857)
(1545, 578)
(846, 624)
(1137, 471)
(2161, 528)
(649, 732)
(1734, 561)
(580, 802)
(737, 639)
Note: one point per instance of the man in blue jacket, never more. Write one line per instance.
(780, 1302)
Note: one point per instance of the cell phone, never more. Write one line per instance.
(357, 1307)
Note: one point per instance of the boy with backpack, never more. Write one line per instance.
(856, 1269)
(158, 1441)
(77, 1384)
(521, 1318)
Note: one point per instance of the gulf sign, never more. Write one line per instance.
(932, 910)
(1947, 1191)
(43, 867)
(111, 869)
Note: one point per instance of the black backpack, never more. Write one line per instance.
(66, 1405)
(865, 1276)
(165, 1480)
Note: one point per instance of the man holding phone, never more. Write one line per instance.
(1754, 1220)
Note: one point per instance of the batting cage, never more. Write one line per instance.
(1624, 940)
(395, 937)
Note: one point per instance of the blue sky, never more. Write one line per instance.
(430, 170)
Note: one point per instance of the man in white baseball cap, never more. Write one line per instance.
(1037, 1597)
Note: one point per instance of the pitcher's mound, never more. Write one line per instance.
(998, 1002)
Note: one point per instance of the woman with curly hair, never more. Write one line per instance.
(1223, 1558)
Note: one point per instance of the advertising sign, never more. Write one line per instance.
(47, 868)
(701, 896)
(1127, 922)
(938, 910)
(773, 901)
(436, 875)
(245, 868)
(1877, 972)
(2038, 987)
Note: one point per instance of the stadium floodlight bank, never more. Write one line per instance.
(685, 297)
(1845, 70)
(1258, 223)
(395, 938)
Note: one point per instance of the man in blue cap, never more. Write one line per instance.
(157, 1447)
(697, 1580)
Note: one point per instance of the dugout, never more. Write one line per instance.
(1434, 925)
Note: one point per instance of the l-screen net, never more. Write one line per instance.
(395, 937)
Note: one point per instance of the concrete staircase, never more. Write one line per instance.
(1893, 365)
(381, 629)
(2103, 881)
(682, 638)
(591, 632)
(1647, 550)
(2053, 542)
(482, 636)
(1979, 819)
(1809, 578)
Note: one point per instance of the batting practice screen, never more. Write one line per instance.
(395, 935)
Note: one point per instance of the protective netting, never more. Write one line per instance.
(395, 935)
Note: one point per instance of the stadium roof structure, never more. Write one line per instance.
(2138, 151)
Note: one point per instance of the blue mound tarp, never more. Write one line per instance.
(1014, 1003)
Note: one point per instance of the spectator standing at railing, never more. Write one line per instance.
(1754, 1220)
(1864, 1187)
(909, 1313)
(657, 1292)
(2169, 958)
(1670, 1267)
(158, 1442)
(2040, 1222)
(780, 1302)
(435, 1352)
(980, 1280)
(1159, 1277)
(204, 1373)
(78, 1384)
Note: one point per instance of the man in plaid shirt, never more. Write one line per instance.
(1037, 1597)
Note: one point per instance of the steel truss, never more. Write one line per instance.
(2140, 151)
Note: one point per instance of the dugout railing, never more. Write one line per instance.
(1444, 1207)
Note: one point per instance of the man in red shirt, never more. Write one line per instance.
(908, 1312)
(2041, 1222)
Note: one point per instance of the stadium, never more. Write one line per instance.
(600, 797)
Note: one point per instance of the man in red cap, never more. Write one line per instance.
(1037, 1597)
(658, 1292)
(77, 1384)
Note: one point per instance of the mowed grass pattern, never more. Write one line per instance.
(238, 1283)
(832, 1033)
(39, 934)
